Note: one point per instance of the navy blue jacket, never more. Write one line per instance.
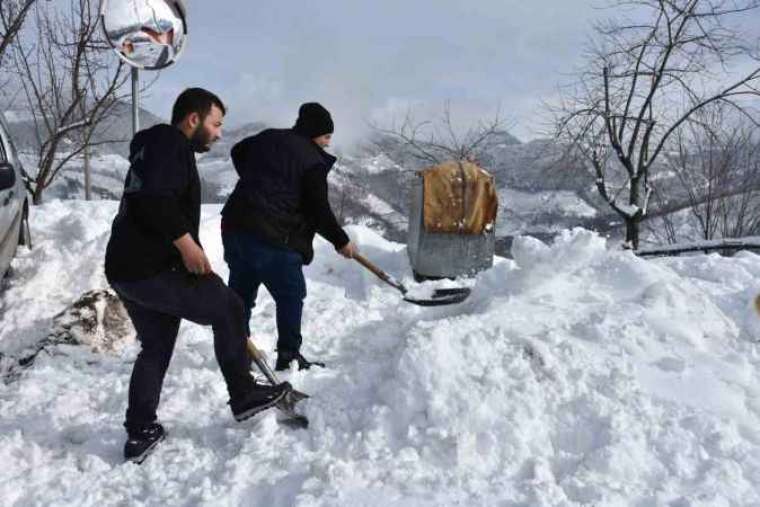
(282, 193)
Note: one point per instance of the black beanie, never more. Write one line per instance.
(313, 120)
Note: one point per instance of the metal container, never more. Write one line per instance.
(438, 255)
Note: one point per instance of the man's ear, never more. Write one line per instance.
(194, 119)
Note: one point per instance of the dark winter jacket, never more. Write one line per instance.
(161, 203)
(282, 192)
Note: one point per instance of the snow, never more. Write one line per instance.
(425, 291)
(107, 173)
(519, 211)
(18, 116)
(379, 163)
(629, 209)
(573, 375)
(378, 206)
(218, 171)
(745, 242)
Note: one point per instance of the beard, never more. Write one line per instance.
(201, 140)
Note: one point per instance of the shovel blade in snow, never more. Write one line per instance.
(287, 406)
(297, 396)
(441, 297)
(288, 415)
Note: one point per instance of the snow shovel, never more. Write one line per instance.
(439, 297)
(287, 405)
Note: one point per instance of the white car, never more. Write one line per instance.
(14, 202)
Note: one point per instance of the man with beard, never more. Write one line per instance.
(155, 262)
(270, 219)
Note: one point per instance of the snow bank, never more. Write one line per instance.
(573, 375)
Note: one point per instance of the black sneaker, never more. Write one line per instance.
(259, 398)
(285, 357)
(141, 443)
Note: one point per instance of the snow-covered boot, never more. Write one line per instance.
(259, 397)
(142, 442)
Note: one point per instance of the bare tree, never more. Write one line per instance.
(348, 190)
(71, 82)
(12, 16)
(717, 162)
(647, 73)
(436, 141)
(662, 227)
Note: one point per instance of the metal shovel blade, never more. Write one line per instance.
(297, 396)
(441, 297)
(287, 406)
(288, 415)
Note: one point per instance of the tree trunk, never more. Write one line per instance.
(632, 226)
(37, 195)
(87, 192)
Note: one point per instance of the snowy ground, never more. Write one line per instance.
(572, 376)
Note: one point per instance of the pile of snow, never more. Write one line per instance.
(573, 375)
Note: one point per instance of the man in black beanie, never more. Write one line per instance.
(270, 219)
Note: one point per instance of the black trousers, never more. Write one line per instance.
(156, 305)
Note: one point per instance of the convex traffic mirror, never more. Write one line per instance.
(146, 34)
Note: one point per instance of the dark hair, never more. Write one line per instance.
(195, 100)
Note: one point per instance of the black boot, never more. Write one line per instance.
(285, 357)
(259, 397)
(142, 442)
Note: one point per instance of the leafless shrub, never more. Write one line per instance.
(70, 82)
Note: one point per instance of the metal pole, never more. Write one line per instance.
(85, 138)
(135, 100)
(87, 179)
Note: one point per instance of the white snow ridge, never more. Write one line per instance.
(573, 375)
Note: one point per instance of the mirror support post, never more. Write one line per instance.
(135, 100)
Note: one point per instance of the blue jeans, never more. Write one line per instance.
(253, 262)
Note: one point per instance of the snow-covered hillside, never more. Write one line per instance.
(547, 211)
(573, 375)
(107, 172)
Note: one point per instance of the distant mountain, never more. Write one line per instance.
(215, 167)
(353, 200)
(539, 194)
(117, 128)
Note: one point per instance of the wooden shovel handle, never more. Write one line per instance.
(253, 350)
(258, 358)
(382, 275)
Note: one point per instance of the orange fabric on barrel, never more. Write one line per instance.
(459, 198)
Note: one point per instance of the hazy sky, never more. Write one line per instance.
(372, 60)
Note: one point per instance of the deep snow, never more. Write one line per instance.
(573, 375)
